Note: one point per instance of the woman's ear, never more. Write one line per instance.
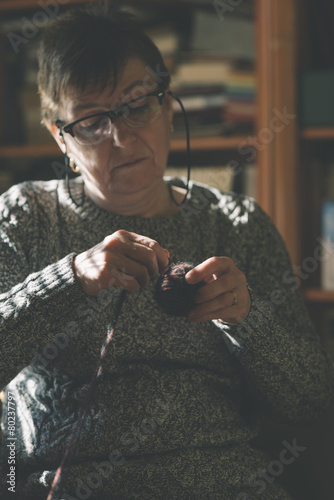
(57, 134)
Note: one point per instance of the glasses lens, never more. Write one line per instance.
(92, 130)
(142, 111)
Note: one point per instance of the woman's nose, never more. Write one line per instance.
(121, 134)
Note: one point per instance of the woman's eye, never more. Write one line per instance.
(143, 108)
(140, 108)
(93, 125)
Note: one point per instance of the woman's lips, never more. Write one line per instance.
(130, 163)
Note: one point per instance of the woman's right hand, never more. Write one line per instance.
(123, 259)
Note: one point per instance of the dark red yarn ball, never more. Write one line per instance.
(173, 294)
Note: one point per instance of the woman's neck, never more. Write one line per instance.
(154, 202)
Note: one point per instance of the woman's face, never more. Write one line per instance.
(130, 163)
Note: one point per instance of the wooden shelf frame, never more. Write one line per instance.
(216, 143)
(12, 5)
(277, 154)
(320, 133)
(318, 295)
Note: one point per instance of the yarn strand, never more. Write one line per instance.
(60, 476)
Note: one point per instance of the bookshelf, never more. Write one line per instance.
(286, 154)
(315, 150)
(14, 150)
(316, 153)
(283, 156)
(280, 151)
(276, 155)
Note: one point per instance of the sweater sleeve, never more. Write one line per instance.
(34, 306)
(288, 372)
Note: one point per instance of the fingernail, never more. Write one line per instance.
(166, 267)
(188, 277)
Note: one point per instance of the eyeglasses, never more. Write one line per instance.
(94, 129)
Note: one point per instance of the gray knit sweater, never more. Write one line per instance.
(177, 404)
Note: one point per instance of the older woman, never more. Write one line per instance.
(177, 403)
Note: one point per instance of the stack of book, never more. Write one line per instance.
(214, 76)
(239, 111)
(327, 241)
(200, 52)
(201, 86)
(167, 40)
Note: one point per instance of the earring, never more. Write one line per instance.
(171, 128)
(73, 166)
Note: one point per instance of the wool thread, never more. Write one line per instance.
(61, 474)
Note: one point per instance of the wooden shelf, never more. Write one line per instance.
(209, 143)
(318, 133)
(8, 5)
(30, 151)
(177, 145)
(318, 295)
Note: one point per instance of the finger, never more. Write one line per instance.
(215, 288)
(138, 248)
(229, 317)
(204, 271)
(215, 306)
(95, 273)
(120, 279)
(161, 254)
(229, 308)
(129, 268)
(141, 254)
(112, 268)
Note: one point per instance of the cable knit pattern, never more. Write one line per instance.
(177, 405)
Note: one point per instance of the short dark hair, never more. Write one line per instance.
(87, 48)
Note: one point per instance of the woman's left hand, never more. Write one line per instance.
(224, 296)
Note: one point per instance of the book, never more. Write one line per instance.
(220, 177)
(200, 102)
(166, 39)
(201, 72)
(327, 233)
(234, 39)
